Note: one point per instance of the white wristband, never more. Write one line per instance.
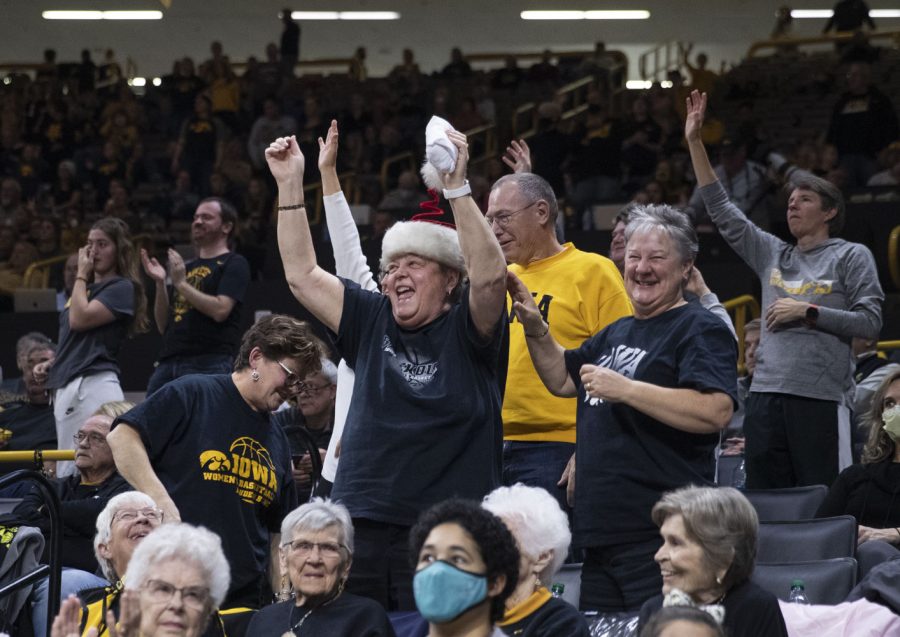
(455, 193)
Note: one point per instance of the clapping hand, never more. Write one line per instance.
(523, 305)
(152, 267)
(518, 156)
(176, 267)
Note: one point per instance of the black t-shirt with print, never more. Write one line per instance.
(226, 467)
(190, 332)
(424, 424)
(626, 460)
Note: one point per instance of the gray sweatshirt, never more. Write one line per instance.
(838, 276)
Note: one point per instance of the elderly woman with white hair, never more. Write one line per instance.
(177, 578)
(316, 554)
(654, 392)
(425, 424)
(541, 530)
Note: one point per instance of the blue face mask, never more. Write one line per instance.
(444, 592)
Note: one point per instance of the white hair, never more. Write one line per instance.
(536, 520)
(329, 370)
(185, 544)
(316, 515)
(136, 499)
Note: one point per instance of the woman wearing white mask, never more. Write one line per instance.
(467, 565)
(870, 491)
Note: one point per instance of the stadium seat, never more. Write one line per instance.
(806, 540)
(785, 505)
(725, 470)
(825, 581)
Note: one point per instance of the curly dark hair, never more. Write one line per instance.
(279, 336)
(665, 616)
(496, 543)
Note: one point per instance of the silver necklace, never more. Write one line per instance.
(291, 631)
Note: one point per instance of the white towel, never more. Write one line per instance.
(439, 150)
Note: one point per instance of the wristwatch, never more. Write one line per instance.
(455, 193)
(812, 315)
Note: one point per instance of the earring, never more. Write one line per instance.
(537, 582)
(719, 580)
(254, 376)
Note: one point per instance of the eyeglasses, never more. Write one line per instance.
(326, 549)
(160, 592)
(128, 515)
(306, 388)
(502, 219)
(92, 439)
(291, 379)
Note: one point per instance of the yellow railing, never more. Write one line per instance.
(405, 157)
(894, 256)
(844, 36)
(887, 346)
(485, 138)
(313, 196)
(745, 308)
(38, 273)
(660, 59)
(573, 97)
(37, 456)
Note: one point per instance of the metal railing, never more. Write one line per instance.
(843, 36)
(894, 256)
(664, 57)
(742, 307)
(54, 570)
(38, 273)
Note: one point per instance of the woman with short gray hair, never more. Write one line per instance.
(707, 557)
(316, 554)
(654, 392)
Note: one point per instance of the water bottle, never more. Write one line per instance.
(557, 590)
(798, 592)
(739, 476)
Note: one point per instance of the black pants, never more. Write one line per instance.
(793, 441)
(381, 564)
(621, 577)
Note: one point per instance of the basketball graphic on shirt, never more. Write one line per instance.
(247, 447)
(246, 467)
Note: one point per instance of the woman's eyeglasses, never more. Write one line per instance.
(304, 548)
(160, 592)
(92, 439)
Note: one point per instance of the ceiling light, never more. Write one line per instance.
(157, 81)
(102, 15)
(638, 84)
(884, 13)
(345, 15)
(811, 13)
(138, 81)
(585, 15)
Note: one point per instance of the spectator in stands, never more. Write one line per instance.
(871, 369)
(12, 273)
(408, 70)
(175, 558)
(310, 419)
(544, 71)
(123, 523)
(708, 552)
(890, 176)
(316, 553)
(816, 296)
(641, 144)
(66, 190)
(14, 388)
(549, 149)
(596, 162)
(357, 72)
(617, 239)
(82, 498)
(224, 93)
(867, 491)
(702, 78)
(541, 531)
(201, 324)
(86, 72)
(467, 566)
(509, 77)
(11, 204)
(849, 15)
(578, 294)
(200, 144)
(674, 621)
(863, 122)
(744, 180)
(204, 448)
(458, 67)
(415, 437)
(289, 51)
(653, 392)
(734, 434)
(107, 303)
(29, 420)
(467, 117)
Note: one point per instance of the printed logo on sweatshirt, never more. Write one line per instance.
(418, 369)
(194, 278)
(247, 466)
(799, 286)
(622, 359)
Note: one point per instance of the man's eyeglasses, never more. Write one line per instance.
(307, 388)
(92, 439)
(160, 592)
(326, 549)
(502, 219)
(129, 515)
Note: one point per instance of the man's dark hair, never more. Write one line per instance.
(227, 212)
